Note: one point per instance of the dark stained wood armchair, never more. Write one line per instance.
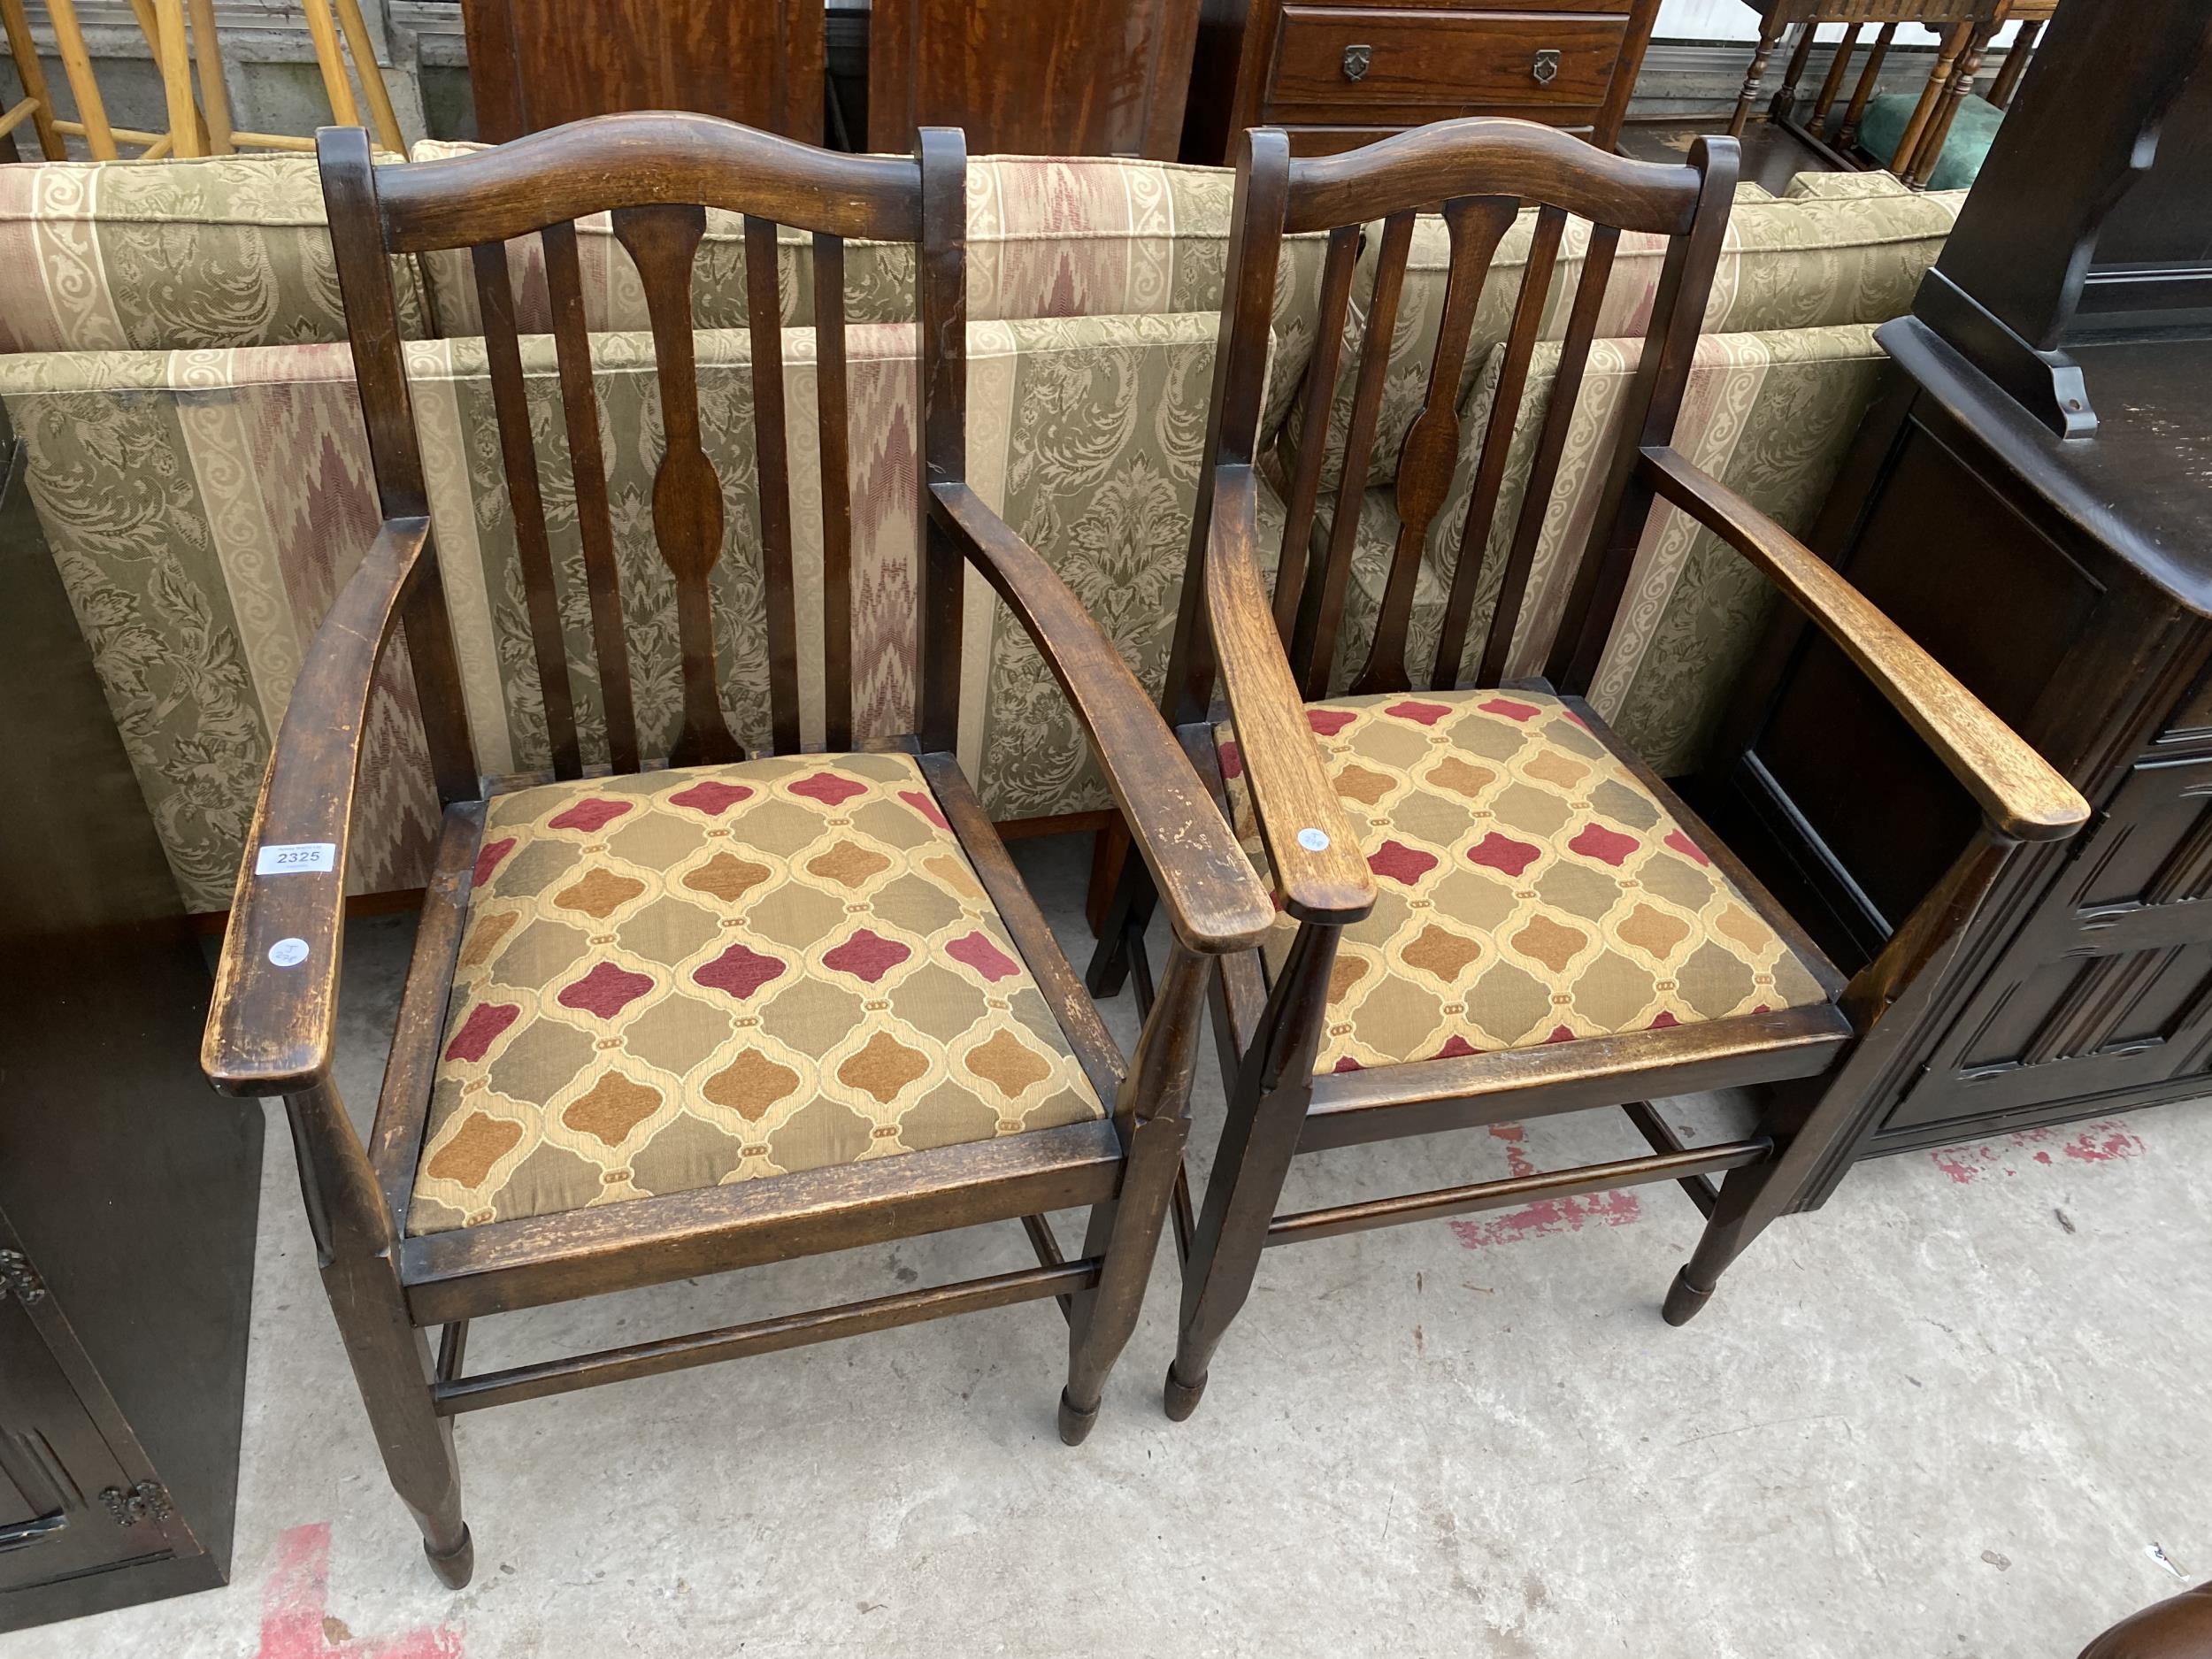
(663, 1022)
(1491, 909)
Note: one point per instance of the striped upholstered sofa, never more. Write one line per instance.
(172, 352)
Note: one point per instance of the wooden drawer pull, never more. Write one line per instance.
(1357, 59)
(1545, 69)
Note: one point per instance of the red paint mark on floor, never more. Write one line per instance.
(1546, 1215)
(2099, 1143)
(294, 1624)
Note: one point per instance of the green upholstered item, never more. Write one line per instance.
(1970, 139)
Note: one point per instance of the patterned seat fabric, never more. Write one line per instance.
(679, 979)
(1531, 889)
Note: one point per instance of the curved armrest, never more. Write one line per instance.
(2023, 796)
(1214, 899)
(1311, 842)
(276, 987)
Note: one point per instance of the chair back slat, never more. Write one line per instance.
(1313, 428)
(1551, 444)
(1313, 646)
(764, 317)
(1430, 453)
(657, 175)
(579, 411)
(833, 416)
(1654, 403)
(663, 241)
(519, 458)
(1497, 446)
(1478, 175)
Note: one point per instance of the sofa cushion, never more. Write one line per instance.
(1772, 415)
(673, 980)
(1529, 887)
(204, 506)
(217, 252)
(1807, 261)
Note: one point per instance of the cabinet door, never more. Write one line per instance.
(2110, 987)
(65, 1502)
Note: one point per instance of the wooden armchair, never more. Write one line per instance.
(667, 1022)
(1491, 909)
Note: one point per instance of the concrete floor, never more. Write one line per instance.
(1960, 1412)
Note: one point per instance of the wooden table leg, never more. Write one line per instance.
(1770, 31)
(1938, 79)
(1786, 100)
(1832, 85)
(1868, 78)
(33, 75)
(1939, 132)
(2008, 81)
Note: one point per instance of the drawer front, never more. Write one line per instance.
(1604, 8)
(1347, 60)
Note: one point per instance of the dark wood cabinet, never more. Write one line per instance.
(535, 63)
(1067, 78)
(1344, 74)
(128, 1189)
(2031, 499)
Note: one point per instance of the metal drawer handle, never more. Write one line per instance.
(1356, 60)
(1546, 66)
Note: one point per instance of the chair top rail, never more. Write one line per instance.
(1490, 156)
(639, 158)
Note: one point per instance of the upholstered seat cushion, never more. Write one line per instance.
(1531, 888)
(682, 978)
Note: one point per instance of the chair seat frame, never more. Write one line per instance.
(1816, 1070)
(271, 1029)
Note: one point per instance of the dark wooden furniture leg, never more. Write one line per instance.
(357, 1248)
(1832, 84)
(1785, 104)
(1770, 31)
(1868, 78)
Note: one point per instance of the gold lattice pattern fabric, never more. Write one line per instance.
(1530, 890)
(683, 979)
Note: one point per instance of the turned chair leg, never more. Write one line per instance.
(358, 1248)
(1729, 1230)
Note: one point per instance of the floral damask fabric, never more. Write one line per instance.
(679, 979)
(204, 507)
(1815, 258)
(1770, 415)
(1530, 890)
(223, 250)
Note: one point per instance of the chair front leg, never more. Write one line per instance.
(357, 1246)
(1268, 1097)
(1883, 1002)
(1152, 1114)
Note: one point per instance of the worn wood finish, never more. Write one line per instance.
(1313, 427)
(1313, 647)
(2020, 792)
(833, 421)
(1816, 1066)
(1073, 77)
(270, 1029)
(1497, 447)
(595, 528)
(518, 459)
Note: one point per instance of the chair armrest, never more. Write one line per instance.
(1310, 841)
(269, 1028)
(2023, 796)
(1214, 899)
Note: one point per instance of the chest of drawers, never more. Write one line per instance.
(1343, 74)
